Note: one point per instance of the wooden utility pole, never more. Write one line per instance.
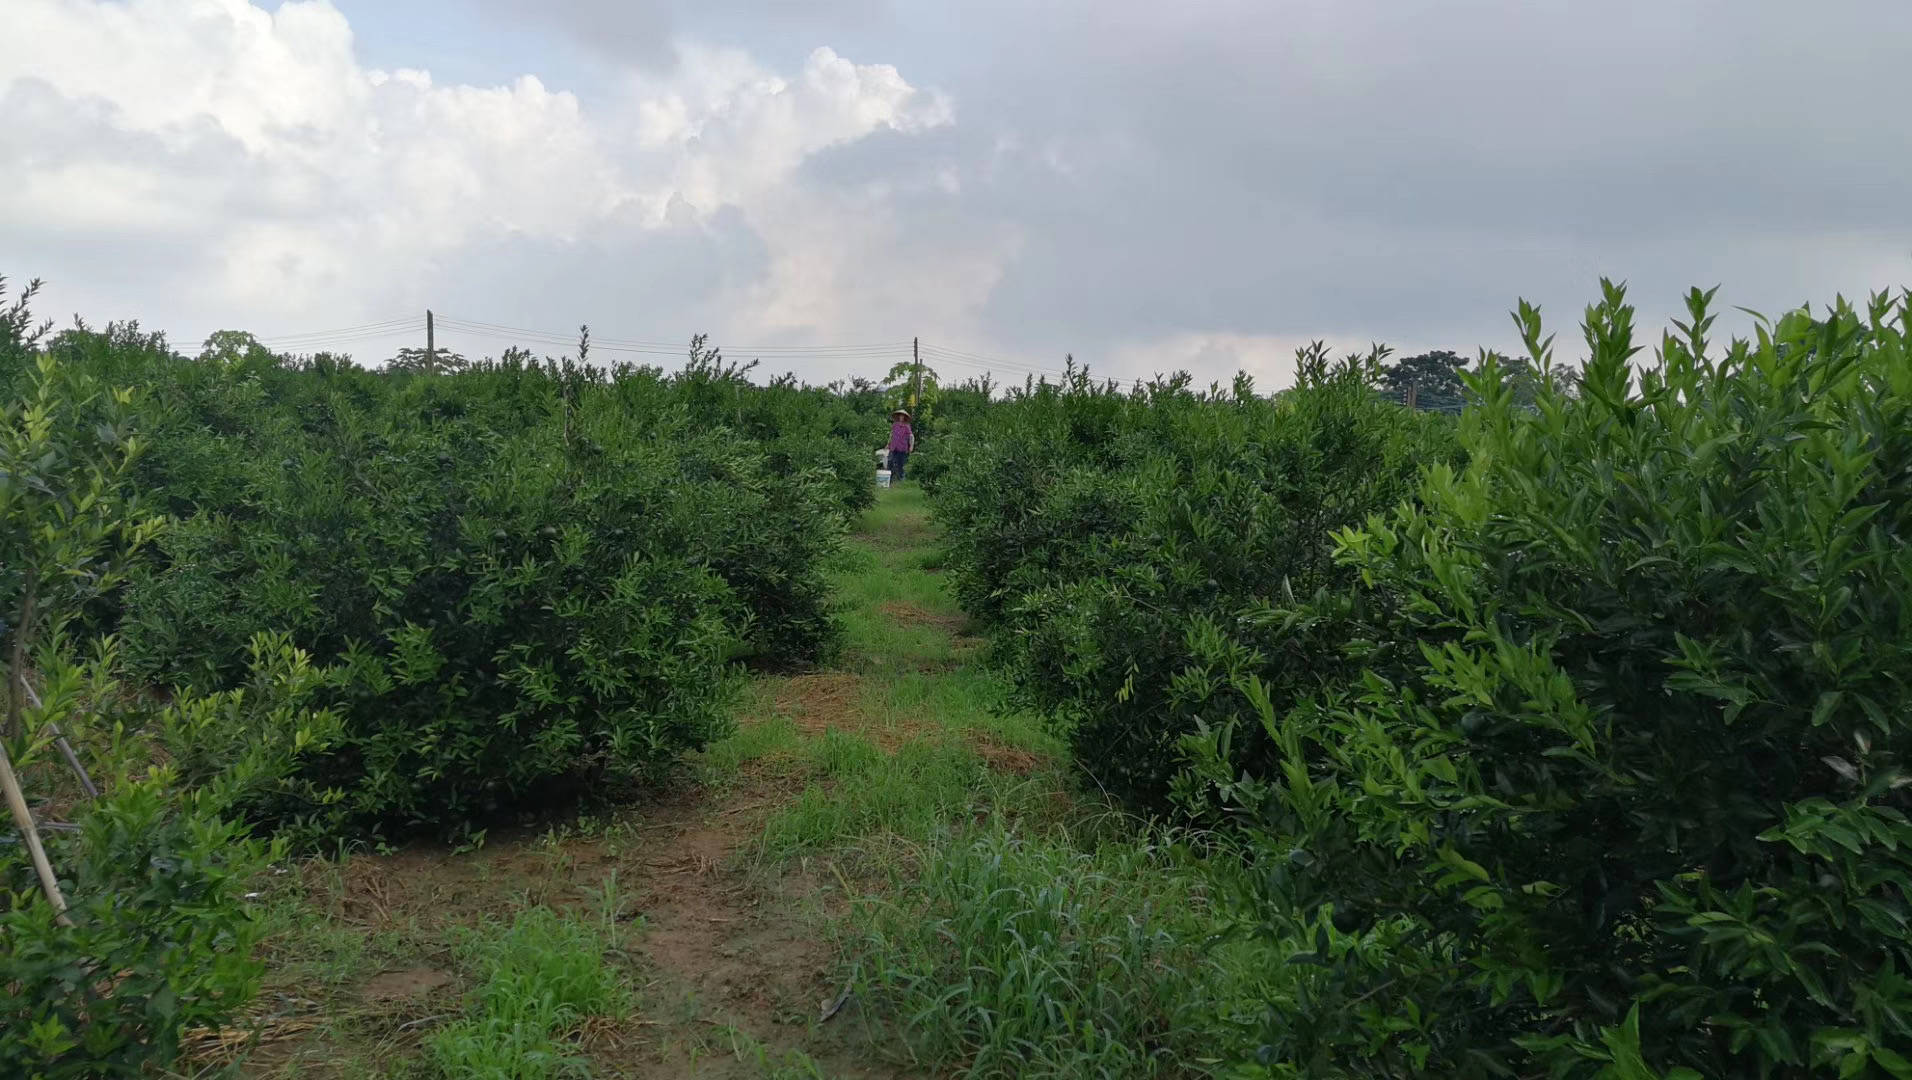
(916, 389)
(1413, 394)
(431, 344)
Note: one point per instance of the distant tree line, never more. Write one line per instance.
(1433, 380)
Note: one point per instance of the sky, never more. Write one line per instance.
(1145, 185)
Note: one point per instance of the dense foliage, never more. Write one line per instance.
(519, 578)
(123, 919)
(1566, 738)
(156, 873)
(1432, 380)
(1632, 801)
(1138, 554)
(1572, 748)
(293, 593)
(1584, 760)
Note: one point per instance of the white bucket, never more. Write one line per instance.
(882, 478)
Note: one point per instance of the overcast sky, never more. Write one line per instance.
(1149, 184)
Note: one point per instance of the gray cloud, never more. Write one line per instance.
(644, 33)
(1402, 170)
(1123, 175)
(613, 278)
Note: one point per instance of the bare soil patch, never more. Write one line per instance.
(1009, 759)
(821, 701)
(954, 625)
(725, 961)
(724, 952)
(835, 701)
(405, 984)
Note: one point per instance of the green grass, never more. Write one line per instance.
(1008, 953)
(900, 512)
(532, 982)
(918, 694)
(964, 701)
(920, 668)
(751, 742)
(881, 590)
(539, 979)
(922, 788)
(771, 1064)
(1009, 924)
(894, 611)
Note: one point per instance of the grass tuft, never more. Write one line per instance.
(912, 794)
(756, 741)
(540, 978)
(1018, 955)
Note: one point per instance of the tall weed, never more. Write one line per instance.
(1007, 954)
(539, 979)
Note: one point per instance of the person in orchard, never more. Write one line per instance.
(902, 442)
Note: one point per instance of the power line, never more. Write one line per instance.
(663, 351)
(310, 339)
(948, 356)
(389, 325)
(959, 356)
(497, 329)
(976, 356)
(944, 354)
(319, 341)
(537, 336)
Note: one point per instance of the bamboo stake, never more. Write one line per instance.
(17, 803)
(59, 740)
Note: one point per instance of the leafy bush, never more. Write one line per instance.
(66, 519)
(1140, 553)
(381, 600)
(503, 612)
(130, 925)
(159, 930)
(522, 578)
(160, 941)
(800, 428)
(1631, 801)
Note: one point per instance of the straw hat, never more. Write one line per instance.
(904, 413)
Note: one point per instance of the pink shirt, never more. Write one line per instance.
(901, 438)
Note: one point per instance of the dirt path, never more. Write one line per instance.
(731, 951)
(739, 971)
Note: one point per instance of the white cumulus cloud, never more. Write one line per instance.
(206, 163)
